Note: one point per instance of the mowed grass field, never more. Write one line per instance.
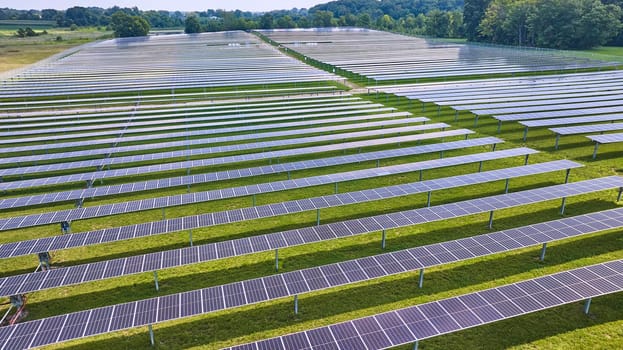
(560, 328)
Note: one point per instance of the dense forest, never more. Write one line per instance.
(565, 24)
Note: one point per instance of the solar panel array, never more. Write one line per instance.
(241, 173)
(184, 61)
(149, 133)
(198, 197)
(454, 314)
(533, 102)
(169, 259)
(398, 57)
(523, 297)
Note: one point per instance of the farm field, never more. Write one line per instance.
(19, 52)
(272, 128)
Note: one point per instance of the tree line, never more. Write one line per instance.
(559, 24)
(562, 24)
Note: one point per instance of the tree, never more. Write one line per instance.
(125, 25)
(364, 20)
(323, 19)
(473, 13)
(437, 24)
(266, 21)
(192, 25)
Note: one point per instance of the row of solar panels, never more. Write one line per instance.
(439, 317)
(537, 102)
(396, 57)
(188, 62)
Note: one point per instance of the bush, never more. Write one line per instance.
(73, 27)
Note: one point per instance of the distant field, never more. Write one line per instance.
(18, 52)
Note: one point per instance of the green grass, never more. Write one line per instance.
(560, 328)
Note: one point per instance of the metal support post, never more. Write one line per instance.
(289, 176)
(620, 193)
(543, 249)
(494, 146)
(595, 151)
(421, 280)
(556, 143)
(440, 154)
(296, 304)
(526, 160)
(476, 121)
(567, 176)
(163, 214)
(156, 281)
(317, 217)
(499, 126)
(480, 166)
(428, 198)
(336, 190)
(506, 186)
(587, 305)
(415, 345)
(152, 341)
(420, 175)
(491, 219)
(525, 134)
(383, 235)
(276, 259)
(562, 207)
(253, 200)
(190, 237)
(378, 163)
(456, 115)
(79, 202)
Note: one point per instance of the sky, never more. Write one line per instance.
(178, 5)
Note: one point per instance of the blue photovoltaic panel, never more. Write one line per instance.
(195, 142)
(115, 141)
(453, 314)
(240, 173)
(134, 113)
(558, 114)
(429, 255)
(542, 108)
(607, 138)
(219, 127)
(236, 215)
(443, 316)
(586, 129)
(198, 197)
(212, 150)
(224, 160)
(126, 128)
(572, 120)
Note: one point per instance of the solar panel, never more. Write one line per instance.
(191, 126)
(116, 268)
(198, 197)
(91, 176)
(585, 129)
(195, 142)
(537, 105)
(558, 114)
(582, 283)
(607, 138)
(234, 174)
(351, 227)
(414, 323)
(573, 120)
(147, 112)
(194, 133)
(540, 108)
(187, 120)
